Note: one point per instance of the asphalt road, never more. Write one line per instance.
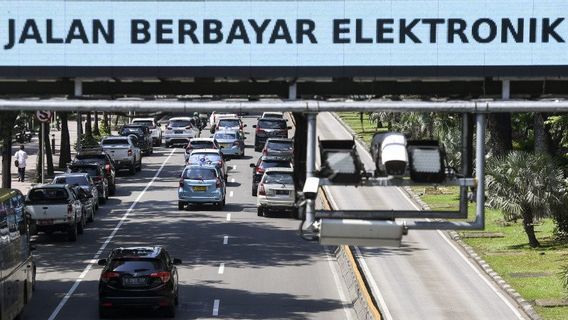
(428, 277)
(236, 265)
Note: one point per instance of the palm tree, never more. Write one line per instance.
(525, 186)
(65, 152)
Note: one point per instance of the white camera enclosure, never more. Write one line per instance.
(394, 157)
(311, 187)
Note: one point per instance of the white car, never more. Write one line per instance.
(200, 143)
(180, 130)
(273, 114)
(276, 192)
(206, 157)
(155, 129)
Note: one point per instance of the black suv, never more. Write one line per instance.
(138, 277)
(99, 156)
(269, 128)
(263, 163)
(143, 136)
(96, 172)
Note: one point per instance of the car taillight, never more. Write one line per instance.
(188, 149)
(259, 170)
(236, 143)
(107, 168)
(219, 163)
(163, 275)
(264, 151)
(129, 152)
(181, 183)
(69, 211)
(168, 128)
(218, 184)
(107, 276)
(188, 127)
(261, 190)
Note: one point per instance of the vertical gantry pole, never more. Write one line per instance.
(466, 158)
(293, 91)
(77, 93)
(506, 90)
(480, 171)
(311, 164)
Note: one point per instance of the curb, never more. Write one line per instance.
(497, 279)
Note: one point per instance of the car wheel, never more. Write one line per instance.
(106, 194)
(140, 165)
(133, 169)
(72, 232)
(112, 190)
(176, 298)
(104, 312)
(170, 312)
(254, 191)
(181, 205)
(81, 224)
(101, 200)
(91, 216)
(259, 212)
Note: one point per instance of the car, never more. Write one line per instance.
(124, 153)
(272, 114)
(88, 202)
(96, 172)
(263, 163)
(200, 143)
(140, 277)
(55, 207)
(276, 192)
(82, 180)
(155, 129)
(231, 142)
(180, 130)
(143, 136)
(279, 147)
(269, 128)
(201, 184)
(230, 124)
(99, 156)
(209, 156)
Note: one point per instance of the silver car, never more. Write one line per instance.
(276, 192)
(180, 130)
(279, 147)
(231, 142)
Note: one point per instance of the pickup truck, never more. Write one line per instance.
(155, 129)
(55, 207)
(124, 152)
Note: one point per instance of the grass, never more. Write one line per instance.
(507, 255)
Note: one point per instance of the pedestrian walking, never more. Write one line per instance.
(21, 157)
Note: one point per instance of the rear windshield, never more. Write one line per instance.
(91, 171)
(179, 123)
(229, 123)
(280, 145)
(225, 136)
(272, 124)
(47, 195)
(204, 158)
(202, 144)
(90, 156)
(147, 123)
(81, 181)
(279, 177)
(137, 131)
(275, 164)
(200, 174)
(273, 115)
(114, 142)
(135, 265)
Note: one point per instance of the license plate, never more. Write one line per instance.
(45, 222)
(199, 188)
(134, 282)
(178, 131)
(282, 192)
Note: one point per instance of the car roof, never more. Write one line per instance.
(226, 131)
(74, 174)
(287, 170)
(142, 119)
(279, 140)
(179, 118)
(115, 137)
(84, 163)
(144, 252)
(204, 166)
(6, 193)
(206, 151)
(275, 158)
(202, 139)
(50, 186)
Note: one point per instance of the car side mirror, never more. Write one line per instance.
(102, 262)
(252, 165)
(177, 261)
(254, 125)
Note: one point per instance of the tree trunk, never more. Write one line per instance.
(7, 120)
(88, 127)
(106, 123)
(65, 149)
(501, 140)
(48, 154)
(96, 130)
(542, 137)
(528, 224)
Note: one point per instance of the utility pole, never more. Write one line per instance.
(79, 92)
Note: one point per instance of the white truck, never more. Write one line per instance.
(55, 207)
(124, 152)
(154, 127)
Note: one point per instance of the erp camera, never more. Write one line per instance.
(311, 188)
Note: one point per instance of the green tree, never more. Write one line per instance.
(525, 186)
(7, 119)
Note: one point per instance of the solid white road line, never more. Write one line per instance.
(216, 307)
(233, 180)
(226, 240)
(221, 268)
(231, 194)
(342, 295)
(107, 241)
(228, 217)
(374, 288)
(491, 285)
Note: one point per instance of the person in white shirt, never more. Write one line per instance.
(21, 156)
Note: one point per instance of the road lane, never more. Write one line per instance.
(269, 272)
(426, 277)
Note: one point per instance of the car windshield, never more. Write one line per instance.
(137, 131)
(200, 174)
(280, 145)
(275, 164)
(147, 123)
(204, 158)
(91, 171)
(225, 136)
(47, 195)
(279, 177)
(179, 123)
(114, 142)
(272, 124)
(202, 144)
(229, 123)
(78, 180)
(135, 265)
